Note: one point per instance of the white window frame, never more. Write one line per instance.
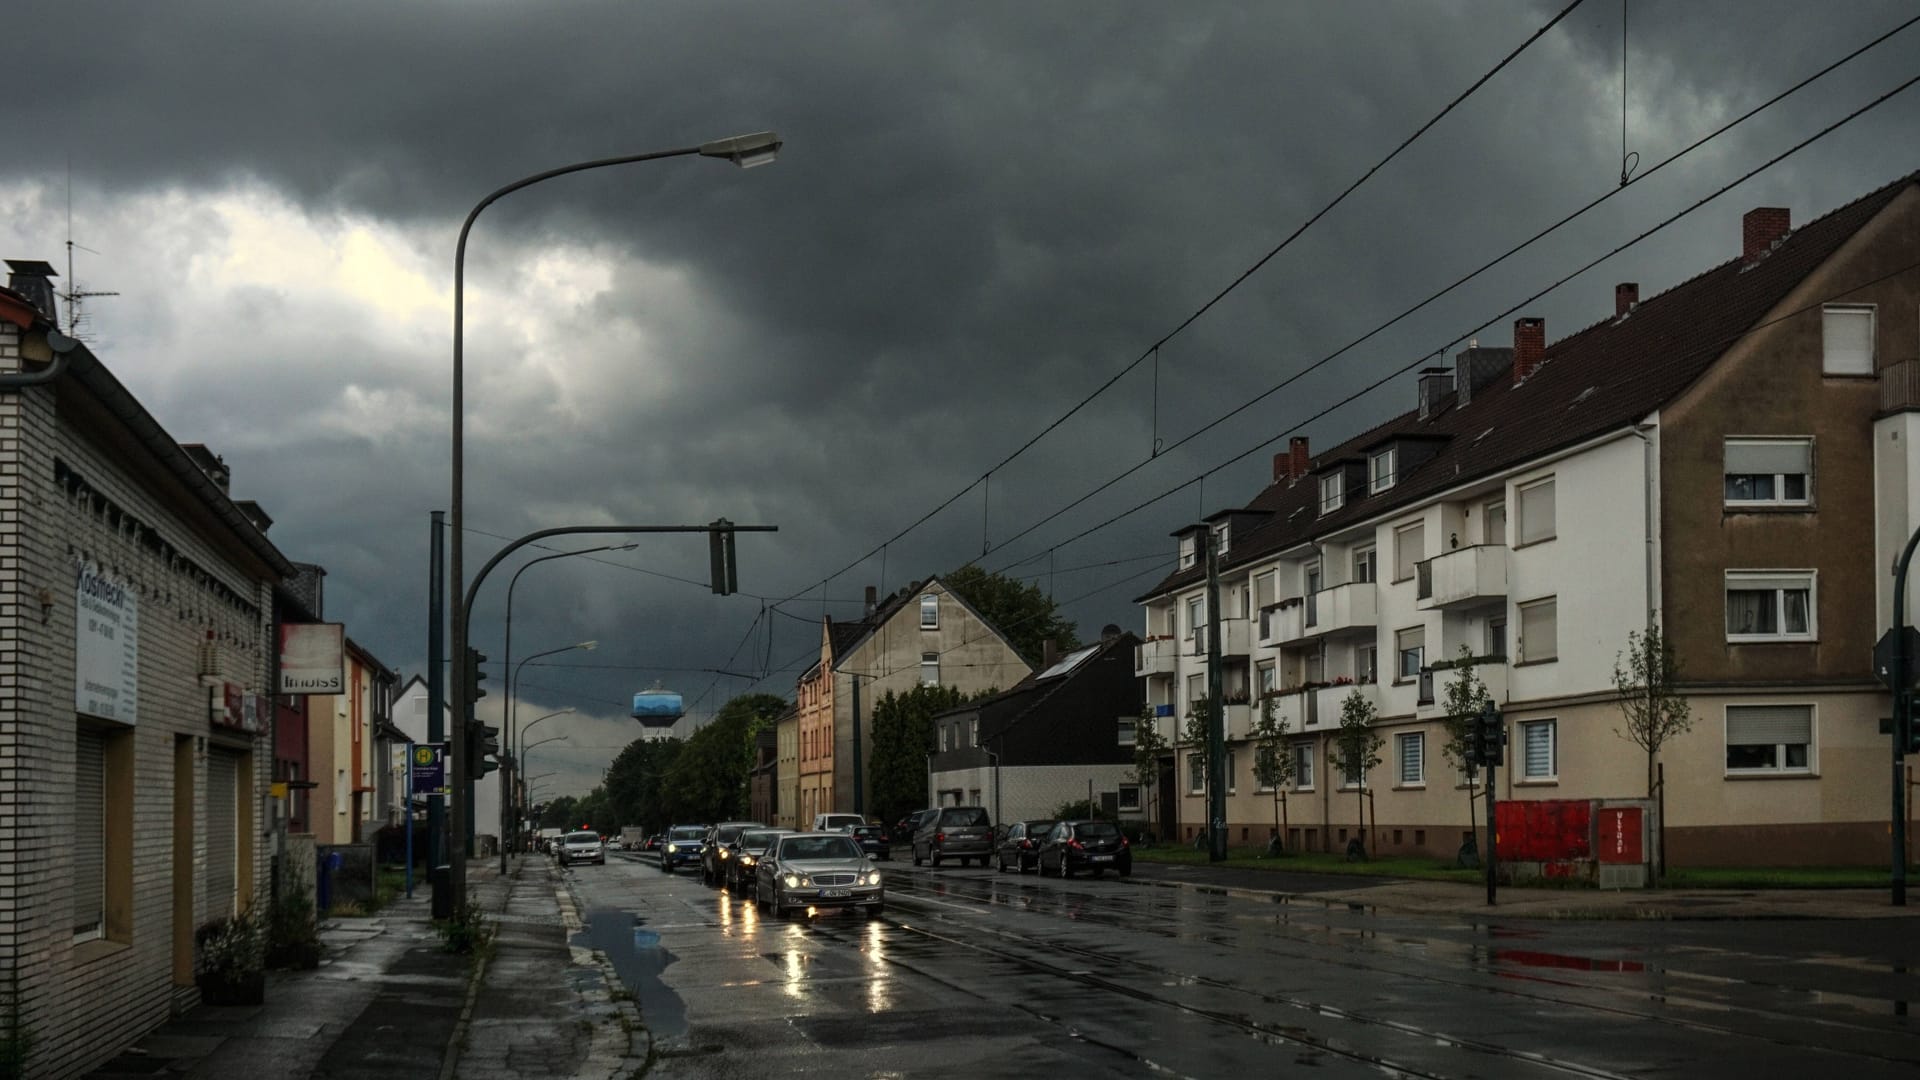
(1196, 782)
(1779, 768)
(1366, 663)
(929, 611)
(1333, 491)
(1827, 326)
(973, 731)
(1400, 744)
(1267, 678)
(929, 662)
(1221, 537)
(1519, 752)
(1127, 803)
(1530, 653)
(1128, 730)
(1189, 552)
(1366, 556)
(1400, 652)
(1518, 520)
(1759, 581)
(1779, 497)
(1487, 510)
(1381, 472)
(1401, 542)
(1302, 766)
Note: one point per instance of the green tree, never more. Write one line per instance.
(1646, 676)
(1021, 612)
(1273, 758)
(1356, 749)
(636, 783)
(560, 813)
(708, 778)
(1195, 740)
(1466, 695)
(1149, 746)
(903, 736)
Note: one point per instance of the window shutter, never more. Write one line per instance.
(1539, 748)
(1409, 546)
(223, 847)
(1847, 340)
(1540, 630)
(90, 833)
(1536, 512)
(1412, 759)
(1769, 724)
(1767, 458)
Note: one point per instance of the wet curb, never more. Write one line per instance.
(614, 1045)
(450, 1058)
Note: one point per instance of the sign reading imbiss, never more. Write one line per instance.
(313, 658)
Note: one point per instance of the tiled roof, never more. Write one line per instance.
(1600, 379)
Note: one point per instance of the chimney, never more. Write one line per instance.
(1282, 466)
(1436, 385)
(1761, 228)
(1476, 366)
(1626, 297)
(1297, 454)
(1529, 346)
(33, 279)
(1049, 654)
(873, 598)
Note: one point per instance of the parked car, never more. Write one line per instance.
(1020, 844)
(653, 842)
(904, 829)
(747, 849)
(1097, 846)
(872, 840)
(817, 870)
(682, 846)
(579, 847)
(835, 822)
(957, 832)
(717, 850)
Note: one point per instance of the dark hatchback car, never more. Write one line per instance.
(746, 852)
(682, 845)
(1020, 844)
(719, 849)
(1095, 846)
(872, 840)
(957, 832)
(904, 829)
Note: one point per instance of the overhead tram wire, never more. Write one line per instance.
(1370, 387)
(1244, 275)
(1461, 281)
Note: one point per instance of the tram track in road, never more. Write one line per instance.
(951, 889)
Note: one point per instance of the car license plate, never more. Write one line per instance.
(1103, 858)
(835, 894)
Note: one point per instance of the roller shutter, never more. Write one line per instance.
(223, 843)
(90, 835)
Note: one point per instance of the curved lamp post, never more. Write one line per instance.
(506, 653)
(746, 151)
(508, 812)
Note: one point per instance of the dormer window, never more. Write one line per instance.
(1380, 471)
(1189, 552)
(1333, 493)
(1220, 538)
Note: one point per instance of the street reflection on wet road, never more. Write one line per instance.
(979, 974)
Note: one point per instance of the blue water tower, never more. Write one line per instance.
(657, 708)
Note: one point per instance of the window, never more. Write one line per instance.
(1769, 472)
(946, 736)
(1409, 547)
(973, 731)
(1266, 589)
(1129, 796)
(1196, 774)
(929, 612)
(340, 792)
(1411, 750)
(1333, 493)
(973, 796)
(1127, 732)
(1769, 738)
(1303, 766)
(1353, 777)
(1363, 564)
(89, 844)
(1189, 553)
(1411, 644)
(1846, 339)
(1536, 513)
(1196, 689)
(1366, 664)
(1196, 616)
(1220, 538)
(1233, 770)
(1539, 757)
(929, 669)
(1539, 630)
(1380, 470)
(1497, 636)
(1770, 605)
(1493, 522)
(1269, 679)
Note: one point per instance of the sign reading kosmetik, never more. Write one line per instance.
(313, 658)
(106, 647)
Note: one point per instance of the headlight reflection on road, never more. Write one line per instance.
(879, 982)
(796, 971)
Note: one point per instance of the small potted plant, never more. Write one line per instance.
(230, 961)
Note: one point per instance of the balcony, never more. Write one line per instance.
(1155, 656)
(1464, 577)
(1290, 708)
(1236, 638)
(1280, 622)
(1324, 711)
(1239, 721)
(1340, 609)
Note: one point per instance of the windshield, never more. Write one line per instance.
(961, 817)
(688, 832)
(1039, 828)
(866, 830)
(725, 834)
(1095, 830)
(820, 847)
(758, 840)
(583, 838)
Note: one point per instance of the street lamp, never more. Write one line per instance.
(508, 812)
(746, 151)
(506, 655)
(513, 709)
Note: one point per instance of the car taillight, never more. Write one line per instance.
(1123, 842)
(1025, 843)
(1075, 845)
(939, 838)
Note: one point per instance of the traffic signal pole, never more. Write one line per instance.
(1903, 729)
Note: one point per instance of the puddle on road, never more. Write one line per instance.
(639, 959)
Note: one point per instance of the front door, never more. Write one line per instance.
(1169, 829)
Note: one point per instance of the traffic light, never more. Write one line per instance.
(1493, 736)
(1909, 732)
(1476, 747)
(475, 675)
(726, 575)
(483, 741)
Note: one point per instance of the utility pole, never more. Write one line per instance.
(859, 787)
(1216, 712)
(437, 711)
(1900, 682)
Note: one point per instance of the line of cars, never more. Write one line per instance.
(781, 870)
(965, 834)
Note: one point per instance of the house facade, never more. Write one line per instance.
(786, 777)
(922, 635)
(1710, 460)
(138, 616)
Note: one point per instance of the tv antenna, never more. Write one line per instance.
(75, 296)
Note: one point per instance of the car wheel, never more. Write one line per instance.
(1065, 870)
(1000, 863)
(936, 860)
(1024, 867)
(916, 856)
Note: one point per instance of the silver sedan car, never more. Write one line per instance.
(817, 870)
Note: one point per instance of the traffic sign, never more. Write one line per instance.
(429, 764)
(1885, 652)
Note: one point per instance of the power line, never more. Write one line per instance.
(1204, 308)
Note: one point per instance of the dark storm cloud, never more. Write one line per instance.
(983, 211)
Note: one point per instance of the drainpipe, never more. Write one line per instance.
(1646, 468)
(60, 345)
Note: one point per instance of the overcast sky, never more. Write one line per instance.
(983, 211)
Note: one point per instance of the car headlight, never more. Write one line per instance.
(723, 853)
(671, 848)
(792, 880)
(746, 860)
(871, 877)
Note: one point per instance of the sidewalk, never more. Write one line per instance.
(1451, 898)
(389, 1004)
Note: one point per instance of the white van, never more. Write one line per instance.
(836, 822)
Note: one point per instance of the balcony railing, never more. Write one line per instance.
(1353, 606)
(1155, 656)
(1280, 622)
(1235, 638)
(1463, 577)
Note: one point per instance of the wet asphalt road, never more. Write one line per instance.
(978, 974)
